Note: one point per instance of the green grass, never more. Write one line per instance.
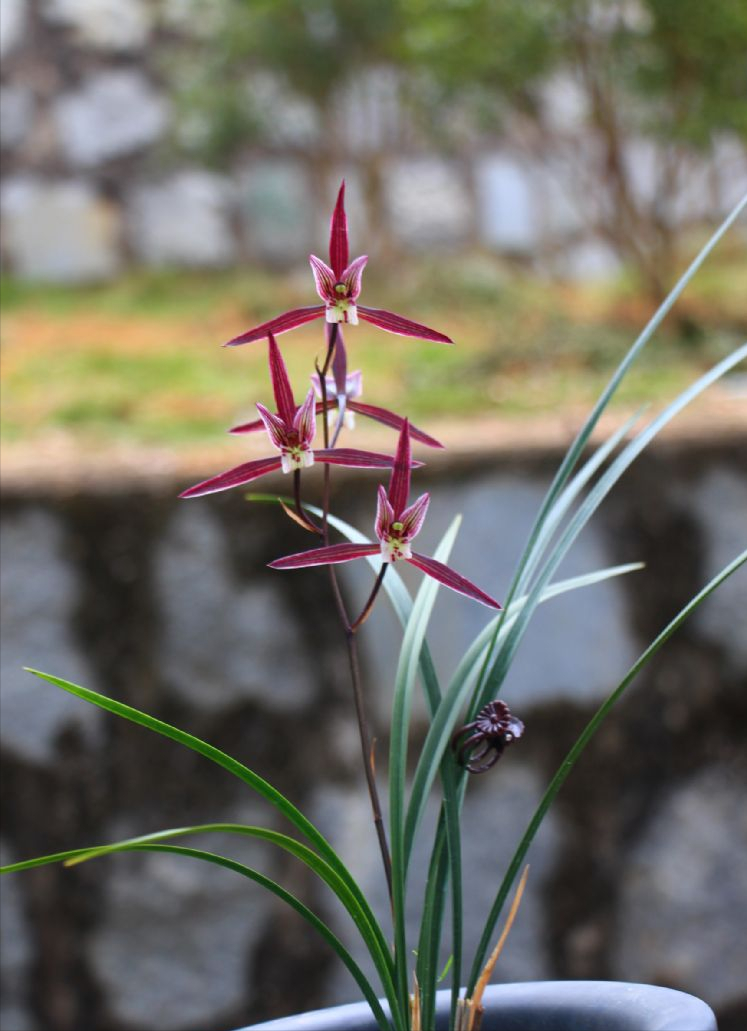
(139, 360)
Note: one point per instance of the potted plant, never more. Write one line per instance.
(470, 727)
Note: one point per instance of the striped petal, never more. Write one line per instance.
(324, 278)
(281, 324)
(249, 427)
(277, 430)
(412, 517)
(388, 419)
(384, 515)
(338, 235)
(449, 578)
(397, 324)
(325, 556)
(352, 275)
(281, 387)
(236, 477)
(304, 421)
(356, 459)
(399, 484)
(340, 364)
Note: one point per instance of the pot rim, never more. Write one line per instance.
(613, 1005)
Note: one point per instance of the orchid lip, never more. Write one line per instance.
(342, 311)
(393, 548)
(296, 458)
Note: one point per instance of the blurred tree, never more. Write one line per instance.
(255, 59)
(468, 72)
(669, 71)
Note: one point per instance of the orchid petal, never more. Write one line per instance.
(277, 429)
(412, 517)
(281, 324)
(354, 384)
(449, 578)
(352, 275)
(338, 235)
(235, 477)
(388, 418)
(355, 458)
(399, 484)
(397, 324)
(304, 421)
(340, 364)
(249, 427)
(324, 278)
(316, 386)
(330, 555)
(384, 515)
(281, 386)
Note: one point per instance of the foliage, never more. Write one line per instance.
(469, 72)
(457, 708)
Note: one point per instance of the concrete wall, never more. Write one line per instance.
(637, 875)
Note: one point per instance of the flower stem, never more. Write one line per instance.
(303, 518)
(367, 746)
(366, 610)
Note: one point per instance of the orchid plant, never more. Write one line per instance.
(469, 727)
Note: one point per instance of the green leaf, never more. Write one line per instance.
(573, 755)
(569, 494)
(590, 504)
(574, 452)
(233, 766)
(358, 909)
(143, 845)
(444, 722)
(399, 729)
(431, 922)
(443, 867)
(578, 445)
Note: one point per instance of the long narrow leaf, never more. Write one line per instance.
(233, 766)
(445, 866)
(576, 449)
(590, 504)
(272, 886)
(358, 909)
(573, 755)
(400, 723)
(434, 904)
(578, 445)
(571, 491)
(444, 721)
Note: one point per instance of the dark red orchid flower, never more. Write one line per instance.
(396, 526)
(339, 285)
(480, 744)
(342, 390)
(291, 431)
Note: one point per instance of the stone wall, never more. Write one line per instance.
(168, 605)
(92, 184)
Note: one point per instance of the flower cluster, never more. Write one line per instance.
(334, 394)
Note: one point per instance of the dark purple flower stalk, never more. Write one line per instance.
(339, 285)
(396, 526)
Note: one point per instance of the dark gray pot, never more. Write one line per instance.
(540, 1006)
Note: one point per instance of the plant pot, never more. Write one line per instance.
(540, 1006)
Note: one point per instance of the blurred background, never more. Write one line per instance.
(530, 178)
